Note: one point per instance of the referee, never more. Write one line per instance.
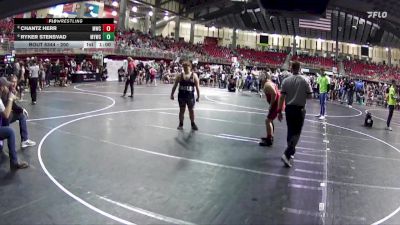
(295, 91)
(130, 77)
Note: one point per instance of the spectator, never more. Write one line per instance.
(33, 80)
(323, 84)
(56, 70)
(8, 132)
(17, 113)
(350, 93)
(392, 101)
(121, 74)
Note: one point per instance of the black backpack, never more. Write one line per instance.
(368, 122)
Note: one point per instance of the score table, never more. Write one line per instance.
(64, 33)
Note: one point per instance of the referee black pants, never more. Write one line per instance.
(130, 83)
(294, 119)
(33, 83)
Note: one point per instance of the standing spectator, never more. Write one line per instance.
(391, 101)
(370, 95)
(323, 84)
(295, 91)
(56, 70)
(147, 73)
(153, 73)
(47, 69)
(21, 73)
(161, 69)
(345, 87)
(350, 93)
(315, 87)
(22, 78)
(332, 90)
(33, 80)
(63, 75)
(17, 68)
(359, 91)
(42, 75)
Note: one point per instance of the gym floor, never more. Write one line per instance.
(104, 159)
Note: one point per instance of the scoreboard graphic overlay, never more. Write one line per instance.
(64, 33)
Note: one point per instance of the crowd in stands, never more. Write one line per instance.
(371, 71)
(355, 69)
(315, 60)
(271, 58)
(136, 39)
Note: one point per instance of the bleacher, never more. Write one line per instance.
(315, 61)
(371, 71)
(272, 58)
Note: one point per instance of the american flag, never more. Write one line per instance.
(322, 23)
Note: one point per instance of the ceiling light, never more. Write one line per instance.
(114, 13)
(115, 3)
(387, 49)
(151, 13)
(212, 28)
(134, 9)
(166, 18)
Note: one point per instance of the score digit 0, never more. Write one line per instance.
(108, 36)
(108, 27)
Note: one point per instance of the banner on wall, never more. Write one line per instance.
(91, 10)
(113, 67)
(108, 13)
(71, 8)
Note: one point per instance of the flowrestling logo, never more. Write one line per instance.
(377, 14)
